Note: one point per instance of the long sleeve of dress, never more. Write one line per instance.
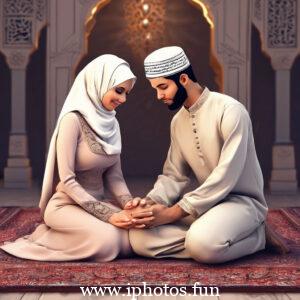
(170, 185)
(68, 134)
(116, 184)
(234, 128)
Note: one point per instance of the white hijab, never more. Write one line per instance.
(85, 96)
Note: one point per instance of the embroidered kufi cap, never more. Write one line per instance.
(165, 61)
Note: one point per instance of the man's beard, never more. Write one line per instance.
(179, 97)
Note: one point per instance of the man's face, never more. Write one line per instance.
(165, 88)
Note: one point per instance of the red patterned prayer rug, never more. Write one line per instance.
(260, 272)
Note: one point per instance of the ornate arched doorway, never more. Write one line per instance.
(226, 63)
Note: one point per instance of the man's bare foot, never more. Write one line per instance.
(274, 243)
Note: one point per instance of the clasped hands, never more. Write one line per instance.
(145, 213)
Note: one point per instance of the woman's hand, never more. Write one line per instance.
(131, 219)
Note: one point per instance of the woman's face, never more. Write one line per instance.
(117, 95)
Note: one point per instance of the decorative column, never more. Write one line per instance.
(283, 178)
(17, 174)
(277, 23)
(22, 22)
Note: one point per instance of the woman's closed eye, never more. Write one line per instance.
(119, 90)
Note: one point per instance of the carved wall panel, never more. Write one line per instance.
(277, 22)
(231, 45)
(281, 23)
(22, 21)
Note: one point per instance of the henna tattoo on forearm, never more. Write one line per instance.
(99, 209)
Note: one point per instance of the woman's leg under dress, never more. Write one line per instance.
(70, 233)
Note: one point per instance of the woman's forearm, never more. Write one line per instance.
(123, 199)
(99, 209)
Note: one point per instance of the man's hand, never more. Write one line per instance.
(145, 202)
(165, 215)
(131, 219)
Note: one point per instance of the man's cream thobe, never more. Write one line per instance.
(214, 140)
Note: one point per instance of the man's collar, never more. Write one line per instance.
(199, 102)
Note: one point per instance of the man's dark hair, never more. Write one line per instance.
(188, 71)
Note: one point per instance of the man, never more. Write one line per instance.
(211, 136)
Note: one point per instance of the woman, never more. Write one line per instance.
(84, 151)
